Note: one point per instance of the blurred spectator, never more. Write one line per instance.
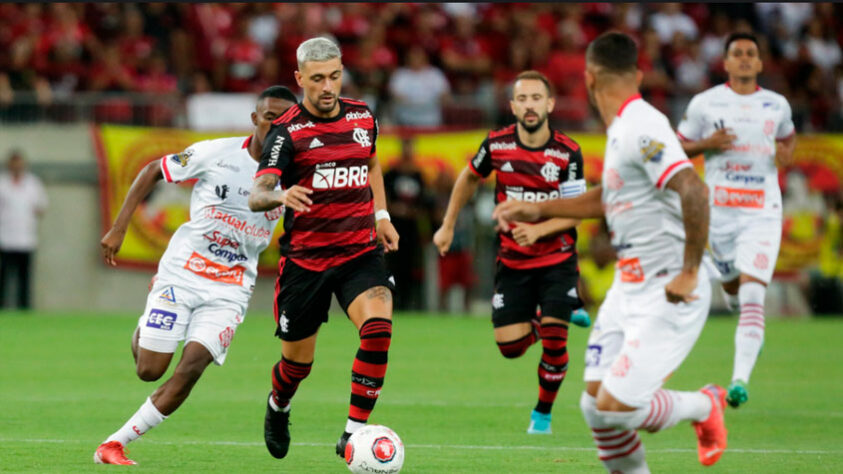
(670, 20)
(465, 57)
(110, 73)
(243, 57)
(418, 91)
(714, 40)
(822, 45)
(22, 202)
(408, 205)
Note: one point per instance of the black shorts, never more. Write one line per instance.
(518, 293)
(303, 297)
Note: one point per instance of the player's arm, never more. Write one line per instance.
(693, 195)
(277, 152)
(465, 187)
(784, 151)
(141, 187)
(588, 205)
(386, 232)
(527, 234)
(718, 141)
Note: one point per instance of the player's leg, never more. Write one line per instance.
(364, 290)
(758, 248)
(557, 287)
(302, 300)
(160, 329)
(514, 315)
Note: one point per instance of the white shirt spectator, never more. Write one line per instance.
(21, 203)
(671, 20)
(417, 92)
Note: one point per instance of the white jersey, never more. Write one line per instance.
(645, 219)
(216, 251)
(745, 176)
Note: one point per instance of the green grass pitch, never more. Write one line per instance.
(67, 381)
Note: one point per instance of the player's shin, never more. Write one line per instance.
(286, 376)
(618, 446)
(749, 336)
(368, 371)
(553, 365)
(146, 418)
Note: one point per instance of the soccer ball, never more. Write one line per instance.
(374, 448)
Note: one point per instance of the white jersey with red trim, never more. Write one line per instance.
(217, 250)
(644, 218)
(745, 176)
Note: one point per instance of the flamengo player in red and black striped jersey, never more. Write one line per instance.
(537, 263)
(322, 152)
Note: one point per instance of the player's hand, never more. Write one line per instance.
(510, 211)
(387, 235)
(296, 198)
(111, 243)
(525, 234)
(721, 140)
(680, 289)
(442, 239)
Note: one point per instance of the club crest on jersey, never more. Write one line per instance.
(652, 149)
(182, 158)
(168, 295)
(550, 172)
(361, 136)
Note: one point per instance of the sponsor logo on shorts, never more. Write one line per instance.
(761, 261)
(621, 366)
(331, 176)
(225, 336)
(631, 271)
(735, 197)
(383, 449)
(592, 355)
(497, 301)
(161, 319)
(517, 193)
(215, 271)
(724, 268)
(168, 296)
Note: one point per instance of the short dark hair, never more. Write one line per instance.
(278, 92)
(536, 76)
(739, 36)
(613, 51)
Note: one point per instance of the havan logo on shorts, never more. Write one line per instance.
(214, 271)
(160, 319)
(736, 197)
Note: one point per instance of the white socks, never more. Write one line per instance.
(749, 336)
(351, 426)
(275, 406)
(146, 418)
(618, 444)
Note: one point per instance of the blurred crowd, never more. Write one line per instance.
(417, 64)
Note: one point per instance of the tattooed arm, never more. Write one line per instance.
(265, 197)
(693, 194)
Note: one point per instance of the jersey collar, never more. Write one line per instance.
(627, 102)
(246, 142)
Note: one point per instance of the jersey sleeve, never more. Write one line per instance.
(658, 150)
(691, 126)
(574, 185)
(374, 137)
(278, 151)
(189, 164)
(481, 164)
(786, 128)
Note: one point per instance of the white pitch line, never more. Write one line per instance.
(447, 446)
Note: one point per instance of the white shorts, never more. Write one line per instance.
(639, 339)
(745, 244)
(174, 314)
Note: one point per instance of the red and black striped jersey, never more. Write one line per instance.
(331, 157)
(554, 170)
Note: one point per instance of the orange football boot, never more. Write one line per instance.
(711, 433)
(112, 452)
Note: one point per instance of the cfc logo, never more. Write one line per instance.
(329, 176)
(362, 137)
(550, 172)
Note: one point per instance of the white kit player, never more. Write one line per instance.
(657, 212)
(744, 132)
(207, 273)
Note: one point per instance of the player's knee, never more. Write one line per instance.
(514, 349)
(376, 334)
(149, 373)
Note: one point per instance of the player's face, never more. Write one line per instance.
(743, 60)
(321, 83)
(530, 103)
(267, 110)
